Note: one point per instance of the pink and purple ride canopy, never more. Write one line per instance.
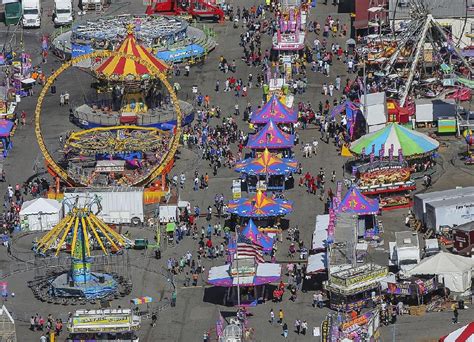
(251, 234)
(267, 164)
(6, 127)
(356, 203)
(259, 206)
(270, 136)
(276, 111)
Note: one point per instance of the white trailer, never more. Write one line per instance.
(117, 204)
(449, 213)
(420, 200)
(405, 252)
(431, 110)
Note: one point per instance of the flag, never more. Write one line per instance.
(220, 325)
(250, 250)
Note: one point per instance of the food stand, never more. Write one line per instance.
(103, 325)
(352, 288)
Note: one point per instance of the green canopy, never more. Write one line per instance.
(466, 82)
(170, 227)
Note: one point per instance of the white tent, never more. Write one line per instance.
(453, 270)
(375, 112)
(40, 214)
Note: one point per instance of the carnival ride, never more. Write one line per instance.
(400, 58)
(129, 92)
(79, 232)
(197, 9)
(155, 170)
(116, 155)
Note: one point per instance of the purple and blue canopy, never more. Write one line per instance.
(267, 164)
(356, 203)
(271, 137)
(260, 206)
(276, 111)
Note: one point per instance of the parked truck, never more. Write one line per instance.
(12, 12)
(63, 14)
(117, 204)
(31, 13)
(449, 213)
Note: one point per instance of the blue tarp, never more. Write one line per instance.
(189, 51)
(79, 50)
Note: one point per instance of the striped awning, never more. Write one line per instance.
(121, 67)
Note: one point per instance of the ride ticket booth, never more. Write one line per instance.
(103, 325)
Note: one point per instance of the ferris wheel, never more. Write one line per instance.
(422, 27)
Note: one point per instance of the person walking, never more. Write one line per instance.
(154, 318)
(272, 316)
(285, 330)
(297, 326)
(280, 316)
(304, 327)
(455, 315)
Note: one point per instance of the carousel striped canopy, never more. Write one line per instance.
(395, 137)
(121, 67)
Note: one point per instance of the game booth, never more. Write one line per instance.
(267, 172)
(103, 325)
(245, 277)
(366, 210)
(352, 288)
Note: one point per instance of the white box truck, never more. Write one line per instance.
(63, 14)
(117, 204)
(420, 200)
(31, 13)
(428, 110)
(449, 213)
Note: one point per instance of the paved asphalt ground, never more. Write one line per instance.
(197, 308)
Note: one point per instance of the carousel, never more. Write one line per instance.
(114, 156)
(400, 152)
(127, 93)
(79, 234)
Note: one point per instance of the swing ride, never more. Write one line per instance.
(79, 233)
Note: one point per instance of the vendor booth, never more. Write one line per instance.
(104, 325)
(40, 214)
(454, 271)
